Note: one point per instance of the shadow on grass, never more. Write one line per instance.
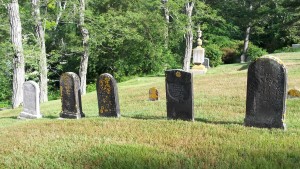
(10, 117)
(50, 117)
(143, 117)
(217, 122)
(245, 66)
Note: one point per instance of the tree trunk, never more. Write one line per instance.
(246, 40)
(188, 37)
(39, 30)
(246, 45)
(61, 9)
(18, 60)
(167, 19)
(85, 56)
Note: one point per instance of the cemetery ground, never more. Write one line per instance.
(144, 138)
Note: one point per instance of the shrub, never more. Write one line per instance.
(214, 54)
(230, 55)
(255, 52)
(232, 52)
(287, 49)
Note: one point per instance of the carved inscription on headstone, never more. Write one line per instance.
(70, 96)
(153, 94)
(266, 93)
(179, 94)
(107, 93)
(31, 104)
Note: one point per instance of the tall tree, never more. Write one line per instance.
(167, 19)
(85, 55)
(246, 38)
(40, 34)
(188, 37)
(18, 60)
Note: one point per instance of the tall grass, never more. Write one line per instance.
(144, 138)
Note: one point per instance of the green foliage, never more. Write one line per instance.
(287, 49)
(91, 87)
(255, 52)
(5, 72)
(214, 54)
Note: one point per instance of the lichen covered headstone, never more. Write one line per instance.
(31, 104)
(294, 93)
(70, 96)
(179, 94)
(107, 93)
(266, 93)
(153, 94)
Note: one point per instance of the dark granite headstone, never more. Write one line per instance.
(70, 96)
(266, 93)
(107, 93)
(179, 94)
(31, 102)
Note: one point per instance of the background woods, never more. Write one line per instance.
(129, 38)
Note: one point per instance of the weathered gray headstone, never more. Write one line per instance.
(179, 94)
(295, 45)
(31, 103)
(70, 96)
(266, 93)
(206, 63)
(107, 93)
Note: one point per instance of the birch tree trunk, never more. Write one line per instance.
(167, 19)
(40, 34)
(246, 45)
(61, 9)
(85, 56)
(18, 60)
(188, 37)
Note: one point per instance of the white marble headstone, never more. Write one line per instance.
(31, 104)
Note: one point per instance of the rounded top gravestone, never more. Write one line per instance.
(266, 93)
(153, 94)
(31, 104)
(70, 96)
(108, 98)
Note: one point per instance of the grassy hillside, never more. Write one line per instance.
(144, 138)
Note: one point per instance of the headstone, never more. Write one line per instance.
(70, 96)
(31, 103)
(292, 93)
(107, 93)
(295, 45)
(179, 94)
(266, 93)
(153, 94)
(206, 63)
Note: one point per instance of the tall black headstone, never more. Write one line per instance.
(107, 93)
(266, 93)
(179, 94)
(70, 96)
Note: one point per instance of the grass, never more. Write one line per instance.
(144, 138)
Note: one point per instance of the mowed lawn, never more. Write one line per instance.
(144, 138)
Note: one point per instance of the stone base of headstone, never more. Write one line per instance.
(25, 115)
(264, 122)
(198, 70)
(66, 115)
